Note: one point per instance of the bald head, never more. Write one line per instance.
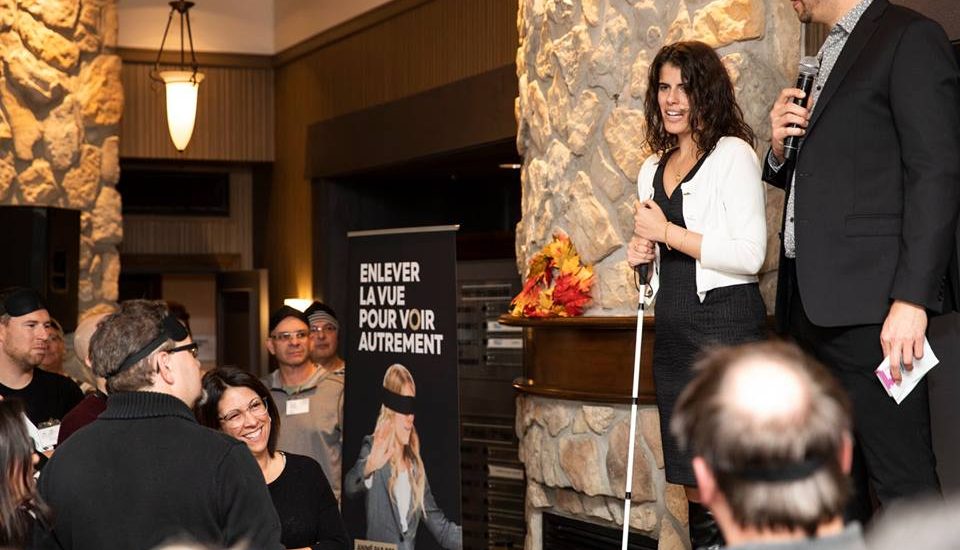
(764, 389)
(81, 338)
(772, 425)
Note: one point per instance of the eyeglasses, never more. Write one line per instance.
(234, 419)
(192, 347)
(323, 329)
(289, 336)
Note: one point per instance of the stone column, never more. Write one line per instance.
(582, 68)
(60, 104)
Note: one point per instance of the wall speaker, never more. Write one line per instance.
(41, 250)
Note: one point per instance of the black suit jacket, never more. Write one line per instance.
(878, 175)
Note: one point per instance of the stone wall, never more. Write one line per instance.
(60, 106)
(575, 458)
(582, 67)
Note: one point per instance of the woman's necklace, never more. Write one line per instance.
(678, 172)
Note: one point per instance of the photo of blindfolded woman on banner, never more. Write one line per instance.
(390, 473)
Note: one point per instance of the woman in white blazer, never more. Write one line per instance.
(700, 224)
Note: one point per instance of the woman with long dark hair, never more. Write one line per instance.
(701, 225)
(241, 406)
(21, 510)
(390, 473)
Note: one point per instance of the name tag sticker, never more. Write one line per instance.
(48, 437)
(298, 406)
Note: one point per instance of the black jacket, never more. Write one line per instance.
(878, 175)
(145, 472)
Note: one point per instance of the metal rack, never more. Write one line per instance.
(490, 359)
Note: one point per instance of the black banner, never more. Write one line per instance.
(401, 439)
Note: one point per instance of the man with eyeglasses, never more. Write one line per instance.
(145, 471)
(308, 385)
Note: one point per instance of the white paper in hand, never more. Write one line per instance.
(909, 378)
(41, 441)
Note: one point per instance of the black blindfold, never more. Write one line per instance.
(402, 404)
(170, 329)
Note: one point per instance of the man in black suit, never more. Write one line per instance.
(872, 203)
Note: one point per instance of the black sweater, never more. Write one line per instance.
(145, 472)
(309, 515)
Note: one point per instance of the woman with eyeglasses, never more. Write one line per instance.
(390, 473)
(21, 509)
(239, 405)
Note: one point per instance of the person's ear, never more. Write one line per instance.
(270, 347)
(163, 368)
(706, 482)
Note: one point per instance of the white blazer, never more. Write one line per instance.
(725, 201)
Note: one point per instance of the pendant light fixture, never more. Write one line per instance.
(182, 83)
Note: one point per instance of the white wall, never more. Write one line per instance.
(234, 26)
(297, 20)
(261, 27)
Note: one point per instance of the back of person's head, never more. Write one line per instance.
(18, 495)
(772, 426)
(84, 332)
(217, 382)
(122, 336)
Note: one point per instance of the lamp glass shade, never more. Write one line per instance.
(181, 88)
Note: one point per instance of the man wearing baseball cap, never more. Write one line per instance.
(308, 386)
(24, 335)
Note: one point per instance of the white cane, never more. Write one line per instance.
(643, 272)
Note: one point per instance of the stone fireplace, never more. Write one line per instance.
(60, 104)
(581, 69)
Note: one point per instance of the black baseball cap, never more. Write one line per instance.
(283, 313)
(19, 301)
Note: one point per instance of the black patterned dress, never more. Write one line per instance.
(685, 326)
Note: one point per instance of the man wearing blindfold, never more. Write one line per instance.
(152, 470)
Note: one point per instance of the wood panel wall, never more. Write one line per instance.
(400, 49)
(198, 235)
(235, 114)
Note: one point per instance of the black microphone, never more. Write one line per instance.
(809, 67)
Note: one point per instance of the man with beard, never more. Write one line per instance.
(24, 337)
(308, 386)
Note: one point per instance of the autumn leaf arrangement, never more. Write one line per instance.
(557, 284)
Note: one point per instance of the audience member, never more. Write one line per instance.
(769, 430)
(24, 333)
(145, 470)
(308, 385)
(95, 402)
(56, 349)
(20, 507)
(925, 524)
(75, 366)
(241, 406)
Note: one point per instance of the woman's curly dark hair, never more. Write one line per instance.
(714, 112)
